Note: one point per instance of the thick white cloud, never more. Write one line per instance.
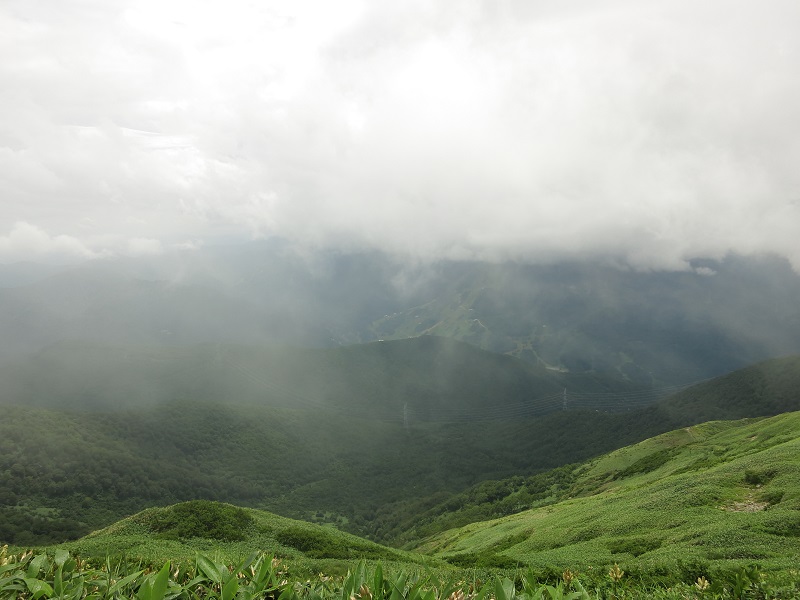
(646, 132)
(28, 242)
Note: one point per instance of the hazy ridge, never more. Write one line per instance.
(660, 328)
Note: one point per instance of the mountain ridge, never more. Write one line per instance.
(651, 328)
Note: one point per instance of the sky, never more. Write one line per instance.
(647, 133)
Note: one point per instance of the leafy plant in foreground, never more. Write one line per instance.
(261, 577)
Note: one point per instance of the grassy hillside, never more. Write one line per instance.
(177, 532)
(767, 388)
(63, 473)
(773, 386)
(709, 510)
(720, 491)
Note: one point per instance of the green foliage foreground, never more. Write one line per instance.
(43, 576)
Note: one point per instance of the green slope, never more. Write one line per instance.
(721, 491)
(63, 473)
(177, 532)
(765, 389)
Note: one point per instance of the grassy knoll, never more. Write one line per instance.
(717, 493)
(230, 533)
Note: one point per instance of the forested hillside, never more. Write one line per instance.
(65, 471)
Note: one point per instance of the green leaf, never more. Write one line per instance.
(265, 573)
(8, 567)
(504, 589)
(377, 583)
(398, 587)
(61, 557)
(248, 562)
(484, 592)
(36, 565)
(229, 589)
(208, 568)
(145, 590)
(38, 588)
(58, 581)
(428, 595)
(159, 589)
(288, 593)
(77, 589)
(123, 583)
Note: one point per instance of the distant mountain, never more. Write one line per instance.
(773, 386)
(661, 328)
(669, 327)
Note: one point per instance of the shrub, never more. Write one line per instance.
(634, 546)
(203, 519)
(753, 477)
(648, 463)
(482, 560)
(321, 544)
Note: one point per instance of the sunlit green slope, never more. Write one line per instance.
(711, 492)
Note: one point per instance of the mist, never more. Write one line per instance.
(648, 328)
(644, 134)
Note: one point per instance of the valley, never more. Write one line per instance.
(522, 422)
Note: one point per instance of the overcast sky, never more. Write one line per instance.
(645, 132)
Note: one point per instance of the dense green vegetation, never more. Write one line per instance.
(200, 518)
(209, 550)
(368, 476)
(260, 576)
(177, 532)
(712, 495)
(64, 473)
(769, 388)
(708, 511)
